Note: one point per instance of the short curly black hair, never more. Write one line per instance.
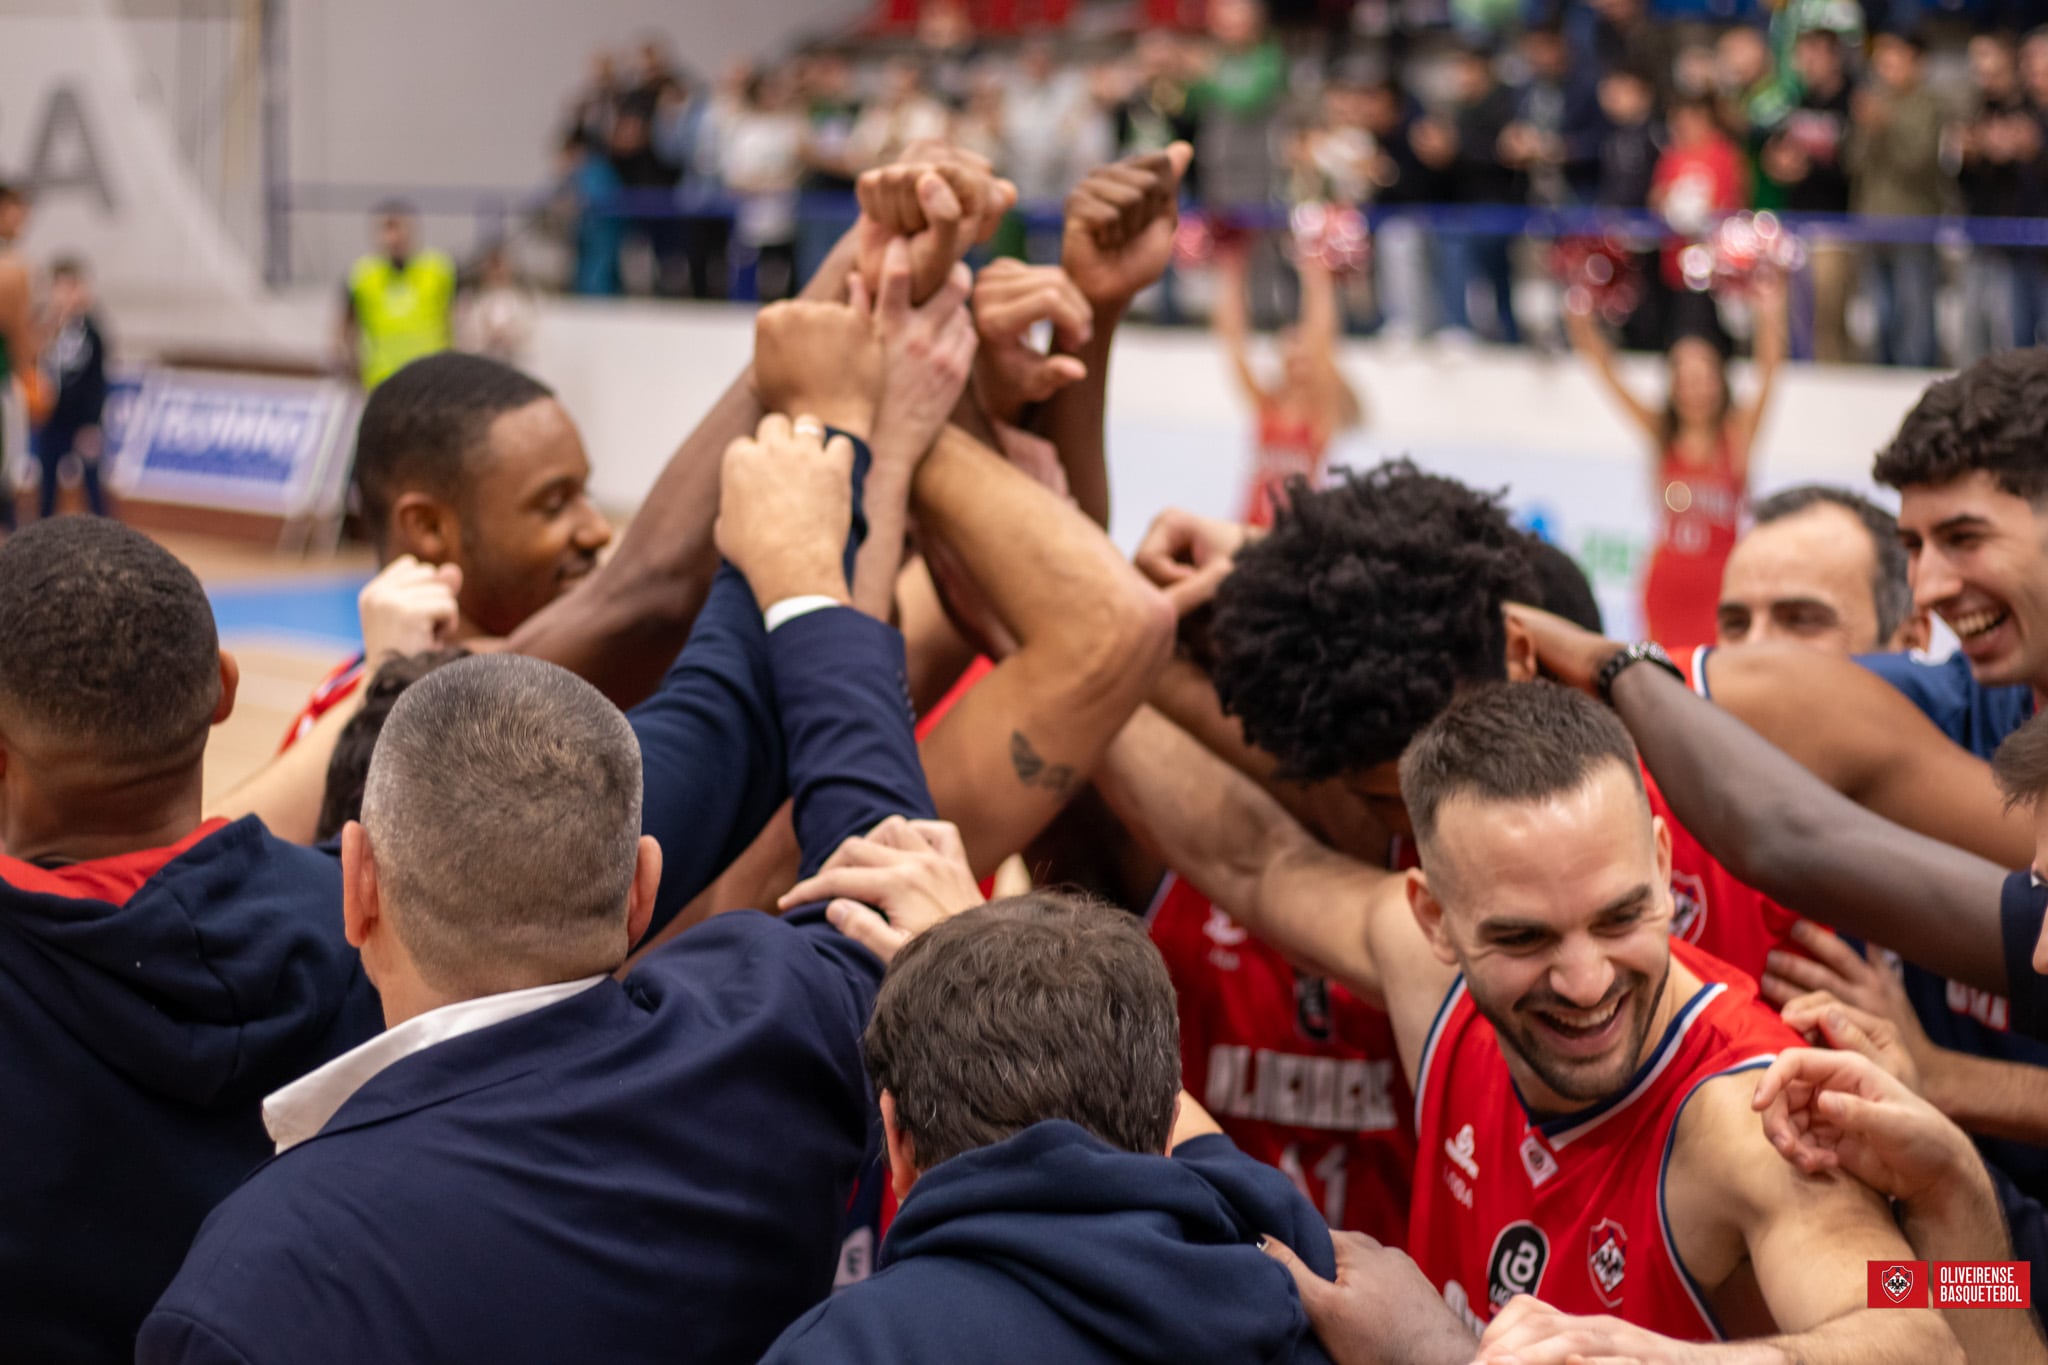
(1348, 628)
(1993, 416)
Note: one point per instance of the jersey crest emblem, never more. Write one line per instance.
(1607, 1259)
(1516, 1265)
(1688, 906)
(1312, 1008)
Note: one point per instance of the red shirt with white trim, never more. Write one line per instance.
(334, 689)
(1571, 1209)
(1300, 1073)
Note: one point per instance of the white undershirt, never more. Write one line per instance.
(302, 1109)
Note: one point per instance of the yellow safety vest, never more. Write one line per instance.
(401, 315)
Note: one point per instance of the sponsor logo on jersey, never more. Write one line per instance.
(1689, 906)
(1516, 1265)
(1537, 1161)
(1607, 1259)
(1460, 1148)
(1992, 1011)
(1461, 1306)
(1341, 1094)
(1225, 934)
(1312, 1017)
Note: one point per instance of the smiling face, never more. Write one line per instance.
(1558, 912)
(1808, 578)
(529, 532)
(1979, 558)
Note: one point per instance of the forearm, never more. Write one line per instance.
(1960, 1220)
(287, 792)
(1868, 1336)
(1792, 837)
(852, 758)
(1053, 579)
(885, 497)
(624, 627)
(1072, 419)
(1989, 1096)
(1184, 694)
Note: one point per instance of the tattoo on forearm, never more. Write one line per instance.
(1034, 771)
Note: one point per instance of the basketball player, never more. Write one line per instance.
(1584, 1124)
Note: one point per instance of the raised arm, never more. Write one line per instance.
(1319, 330)
(1090, 634)
(1771, 304)
(1861, 736)
(1790, 835)
(623, 629)
(1591, 343)
(1232, 323)
(1217, 829)
(1116, 243)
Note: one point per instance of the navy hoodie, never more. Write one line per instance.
(1054, 1246)
(137, 1042)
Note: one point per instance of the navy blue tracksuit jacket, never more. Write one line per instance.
(1054, 1246)
(652, 1170)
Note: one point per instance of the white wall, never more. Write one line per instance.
(436, 94)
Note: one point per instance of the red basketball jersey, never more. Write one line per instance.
(1302, 1074)
(1731, 920)
(1571, 1209)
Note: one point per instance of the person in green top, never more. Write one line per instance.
(400, 301)
(1234, 101)
(17, 335)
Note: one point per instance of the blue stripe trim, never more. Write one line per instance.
(1693, 1288)
(1555, 1129)
(1429, 1045)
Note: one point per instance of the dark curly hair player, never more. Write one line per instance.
(1348, 628)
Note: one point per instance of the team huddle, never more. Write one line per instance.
(610, 964)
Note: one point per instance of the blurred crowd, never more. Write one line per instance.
(735, 186)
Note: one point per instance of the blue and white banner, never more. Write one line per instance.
(243, 443)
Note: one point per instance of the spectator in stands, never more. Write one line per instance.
(495, 314)
(650, 181)
(1061, 1193)
(948, 49)
(1046, 138)
(399, 302)
(17, 326)
(1805, 159)
(901, 113)
(1629, 152)
(1894, 161)
(1614, 34)
(586, 188)
(1157, 112)
(591, 112)
(1699, 177)
(1243, 78)
(1412, 168)
(683, 136)
(763, 166)
(2030, 302)
(654, 75)
(979, 126)
(1754, 99)
(1554, 139)
(1483, 111)
(830, 108)
(1998, 148)
(75, 359)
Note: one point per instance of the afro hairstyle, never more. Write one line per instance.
(1347, 629)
